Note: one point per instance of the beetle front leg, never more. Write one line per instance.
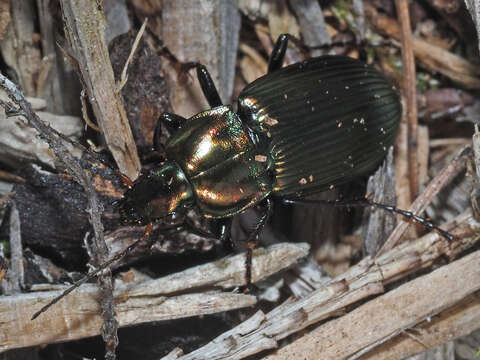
(252, 242)
(223, 228)
(206, 82)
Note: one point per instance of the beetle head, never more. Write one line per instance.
(155, 195)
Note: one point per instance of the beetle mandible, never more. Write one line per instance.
(298, 130)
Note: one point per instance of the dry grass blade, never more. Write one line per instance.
(85, 26)
(361, 281)
(72, 165)
(171, 297)
(432, 57)
(124, 77)
(409, 90)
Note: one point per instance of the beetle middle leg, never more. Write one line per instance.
(252, 241)
(275, 62)
(208, 86)
(206, 82)
(222, 228)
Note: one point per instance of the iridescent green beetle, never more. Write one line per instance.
(298, 130)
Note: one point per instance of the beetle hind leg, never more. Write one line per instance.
(252, 242)
(408, 215)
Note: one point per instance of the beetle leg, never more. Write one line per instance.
(190, 227)
(252, 241)
(275, 62)
(278, 53)
(221, 232)
(206, 82)
(220, 228)
(208, 86)
(223, 229)
(367, 202)
(173, 122)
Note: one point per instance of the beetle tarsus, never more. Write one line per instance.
(412, 217)
(367, 202)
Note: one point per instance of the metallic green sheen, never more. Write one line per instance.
(325, 121)
(160, 192)
(219, 159)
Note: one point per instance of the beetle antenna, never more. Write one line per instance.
(91, 275)
(367, 202)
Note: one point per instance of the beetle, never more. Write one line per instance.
(298, 130)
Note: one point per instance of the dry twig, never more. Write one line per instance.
(388, 316)
(363, 280)
(432, 189)
(456, 321)
(16, 274)
(85, 27)
(432, 57)
(124, 77)
(409, 90)
(73, 167)
(85, 30)
(5, 175)
(170, 297)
